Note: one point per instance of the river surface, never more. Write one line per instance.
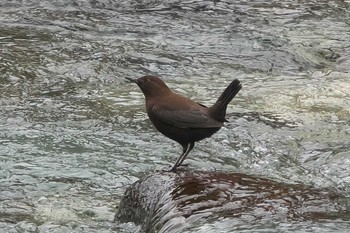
(74, 134)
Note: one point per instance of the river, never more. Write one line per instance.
(74, 134)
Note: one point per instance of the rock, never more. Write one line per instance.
(169, 202)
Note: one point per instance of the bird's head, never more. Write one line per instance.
(151, 86)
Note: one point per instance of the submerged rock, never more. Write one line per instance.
(169, 202)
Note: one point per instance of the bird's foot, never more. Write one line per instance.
(173, 169)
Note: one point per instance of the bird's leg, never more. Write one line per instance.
(191, 145)
(185, 148)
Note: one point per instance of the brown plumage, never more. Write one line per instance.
(181, 119)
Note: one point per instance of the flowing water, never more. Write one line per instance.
(74, 134)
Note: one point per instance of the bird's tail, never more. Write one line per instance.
(218, 110)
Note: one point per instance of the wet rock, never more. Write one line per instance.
(169, 202)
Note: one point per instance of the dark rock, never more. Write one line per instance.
(169, 202)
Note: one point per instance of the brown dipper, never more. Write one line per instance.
(180, 118)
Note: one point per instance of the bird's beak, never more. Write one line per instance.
(131, 80)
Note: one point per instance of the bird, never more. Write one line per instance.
(180, 118)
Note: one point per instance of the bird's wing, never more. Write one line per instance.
(185, 118)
